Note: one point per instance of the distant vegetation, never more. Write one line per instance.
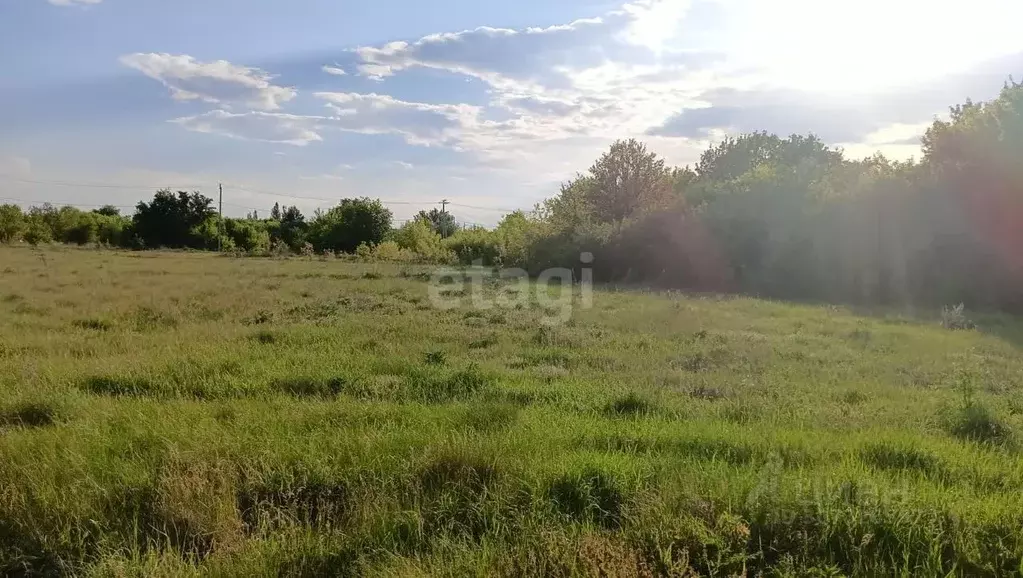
(782, 217)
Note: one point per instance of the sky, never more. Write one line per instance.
(489, 105)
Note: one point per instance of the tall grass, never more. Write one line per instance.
(185, 414)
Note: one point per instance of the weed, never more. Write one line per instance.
(589, 497)
(261, 317)
(118, 386)
(264, 337)
(93, 324)
(29, 414)
(435, 358)
(954, 318)
(149, 319)
(313, 387)
(853, 397)
(630, 405)
(484, 342)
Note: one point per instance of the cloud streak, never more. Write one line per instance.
(270, 127)
(217, 82)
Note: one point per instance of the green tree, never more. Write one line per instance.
(419, 237)
(171, 220)
(442, 222)
(12, 223)
(352, 223)
(625, 179)
(108, 211)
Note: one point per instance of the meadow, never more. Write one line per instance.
(187, 414)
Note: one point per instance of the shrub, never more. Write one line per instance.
(976, 422)
(12, 223)
(418, 237)
(353, 223)
(472, 246)
(954, 318)
(435, 358)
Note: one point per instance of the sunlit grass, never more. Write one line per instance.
(190, 414)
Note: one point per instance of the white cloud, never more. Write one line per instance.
(258, 126)
(419, 123)
(868, 44)
(655, 23)
(73, 2)
(217, 82)
(334, 70)
(405, 165)
(496, 55)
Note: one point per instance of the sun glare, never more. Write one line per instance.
(871, 44)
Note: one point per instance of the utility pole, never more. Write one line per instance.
(443, 219)
(220, 224)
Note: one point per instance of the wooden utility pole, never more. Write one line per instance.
(443, 219)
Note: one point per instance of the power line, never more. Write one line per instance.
(499, 209)
(290, 196)
(237, 187)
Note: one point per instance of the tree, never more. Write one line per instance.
(419, 237)
(171, 220)
(108, 211)
(275, 213)
(442, 222)
(293, 228)
(247, 234)
(12, 223)
(84, 231)
(626, 179)
(352, 223)
(36, 230)
(569, 209)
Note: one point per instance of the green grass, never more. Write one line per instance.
(176, 414)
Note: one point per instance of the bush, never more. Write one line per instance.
(84, 232)
(37, 233)
(419, 238)
(475, 245)
(390, 251)
(353, 223)
(12, 223)
(954, 318)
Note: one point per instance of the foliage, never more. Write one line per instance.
(786, 217)
(352, 223)
(955, 318)
(175, 221)
(442, 222)
(475, 245)
(419, 237)
(248, 235)
(12, 223)
(624, 180)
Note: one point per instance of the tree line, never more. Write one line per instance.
(785, 217)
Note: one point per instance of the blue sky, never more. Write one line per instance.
(488, 104)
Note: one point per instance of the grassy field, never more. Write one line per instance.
(175, 414)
